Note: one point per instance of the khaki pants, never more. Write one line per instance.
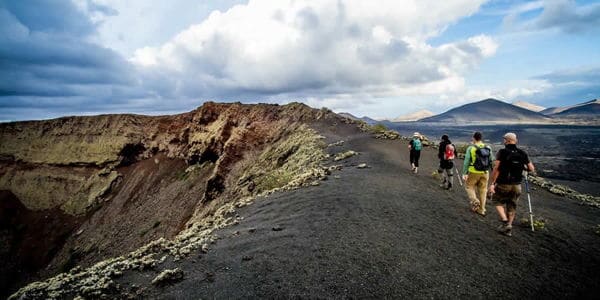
(476, 186)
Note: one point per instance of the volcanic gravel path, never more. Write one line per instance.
(382, 232)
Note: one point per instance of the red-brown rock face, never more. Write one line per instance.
(118, 181)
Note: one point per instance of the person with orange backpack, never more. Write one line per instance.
(446, 154)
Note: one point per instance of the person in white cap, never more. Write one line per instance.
(506, 181)
(415, 145)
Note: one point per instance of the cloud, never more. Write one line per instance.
(563, 15)
(317, 49)
(570, 86)
(327, 53)
(49, 61)
(558, 88)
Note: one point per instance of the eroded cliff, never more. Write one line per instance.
(113, 183)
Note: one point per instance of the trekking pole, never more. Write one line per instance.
(529, 200)
(458, 175)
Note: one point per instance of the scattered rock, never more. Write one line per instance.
(562, 190)
(252, 230)
(246, 258)
(344, 155)
(388, 135)
(362, 166)
(339, 143)
(168, 277)
(277, 228)
(204, 248)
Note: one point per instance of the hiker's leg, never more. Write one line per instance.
(470, 188)
(499, 201)
(482, 187)
(440, 172)
(511, 206)
(417, 156)
(501, 212)
(450, 177)
(412, 158)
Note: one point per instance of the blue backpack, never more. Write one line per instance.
(417, 144)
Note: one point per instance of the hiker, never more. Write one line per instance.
(478, 162)
(506, 180)
(415, 145)
(446, 154)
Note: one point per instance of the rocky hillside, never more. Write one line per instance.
(587, 109)
(76, 190)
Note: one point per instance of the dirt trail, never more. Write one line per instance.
(383, 232)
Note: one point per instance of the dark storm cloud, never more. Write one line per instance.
(49, 16)
(48, 61)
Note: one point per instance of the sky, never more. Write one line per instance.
(380, 59)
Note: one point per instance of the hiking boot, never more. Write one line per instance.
(508, 230)
(416, 170)
(502, 227)
(449, 185)
(505, 228)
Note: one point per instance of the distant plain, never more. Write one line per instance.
(565, 154)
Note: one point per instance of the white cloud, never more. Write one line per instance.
(319, 50)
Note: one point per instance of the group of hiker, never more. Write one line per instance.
(506, 169)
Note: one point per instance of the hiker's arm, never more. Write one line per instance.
(494, 176)
(467, 161)
(531, 168)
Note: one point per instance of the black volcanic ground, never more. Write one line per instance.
(383, 232)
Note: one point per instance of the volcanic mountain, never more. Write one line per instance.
(586, 109)
(488, 111)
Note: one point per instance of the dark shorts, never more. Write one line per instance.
(507, 194)
(446, 164)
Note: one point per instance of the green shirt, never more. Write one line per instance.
(470, 159)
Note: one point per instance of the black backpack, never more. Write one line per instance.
(512, 167)
(483, 158)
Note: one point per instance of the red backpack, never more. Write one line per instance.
(449, 153)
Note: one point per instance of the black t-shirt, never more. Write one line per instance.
(512, 163)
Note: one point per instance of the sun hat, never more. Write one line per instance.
(416, 134)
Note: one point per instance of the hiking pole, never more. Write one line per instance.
(529, 200)
(458, 175)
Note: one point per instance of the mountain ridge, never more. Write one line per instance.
(488, 111)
